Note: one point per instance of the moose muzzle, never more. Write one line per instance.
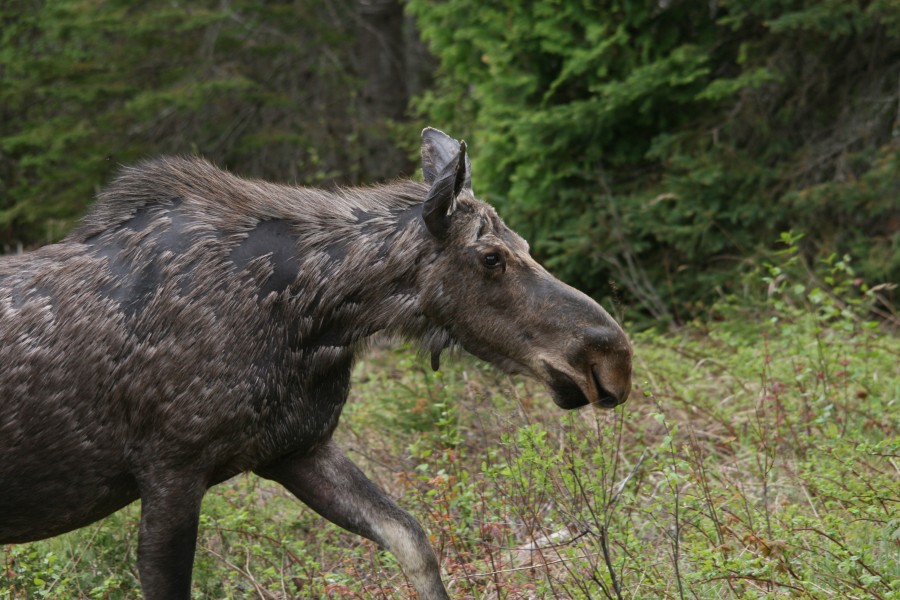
(593, 365)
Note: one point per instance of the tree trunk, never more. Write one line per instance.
(384, 95)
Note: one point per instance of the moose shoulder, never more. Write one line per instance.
(198, 325)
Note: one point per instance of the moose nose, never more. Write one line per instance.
(609, 353)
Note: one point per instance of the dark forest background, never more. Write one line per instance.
(653, 152)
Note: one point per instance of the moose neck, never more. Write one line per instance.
(361, 274)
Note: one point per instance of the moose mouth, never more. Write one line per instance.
(569, 395)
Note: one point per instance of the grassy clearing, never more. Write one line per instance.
(758, 457)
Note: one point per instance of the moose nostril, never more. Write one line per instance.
(605, 398)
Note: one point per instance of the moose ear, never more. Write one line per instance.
(440, 203)
(438, 150)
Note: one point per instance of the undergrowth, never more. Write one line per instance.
(758, 457)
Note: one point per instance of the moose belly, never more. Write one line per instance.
(44, 494)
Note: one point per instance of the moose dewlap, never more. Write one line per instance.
(198, 325)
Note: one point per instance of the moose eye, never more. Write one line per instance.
(493, 260)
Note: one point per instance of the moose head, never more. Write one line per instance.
(499, 304)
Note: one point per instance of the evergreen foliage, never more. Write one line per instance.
(267, 89)
(663, 145)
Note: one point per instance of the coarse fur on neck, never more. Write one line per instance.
(353, 257)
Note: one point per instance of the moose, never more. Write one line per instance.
(197, 325)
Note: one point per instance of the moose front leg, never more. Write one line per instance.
(170, 514)
(329, 483)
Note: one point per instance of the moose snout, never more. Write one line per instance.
(607, 356)
(607, 397)
(589, 358)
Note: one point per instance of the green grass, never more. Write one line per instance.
(758, 457)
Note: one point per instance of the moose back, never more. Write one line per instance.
(197, 325)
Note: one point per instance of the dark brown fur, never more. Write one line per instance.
(198, 325)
